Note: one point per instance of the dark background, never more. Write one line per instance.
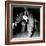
(34, 11)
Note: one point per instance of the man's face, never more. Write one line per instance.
(19, 17)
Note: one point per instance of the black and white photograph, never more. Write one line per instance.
(25, 22)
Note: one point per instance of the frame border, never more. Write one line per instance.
(7, 39)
